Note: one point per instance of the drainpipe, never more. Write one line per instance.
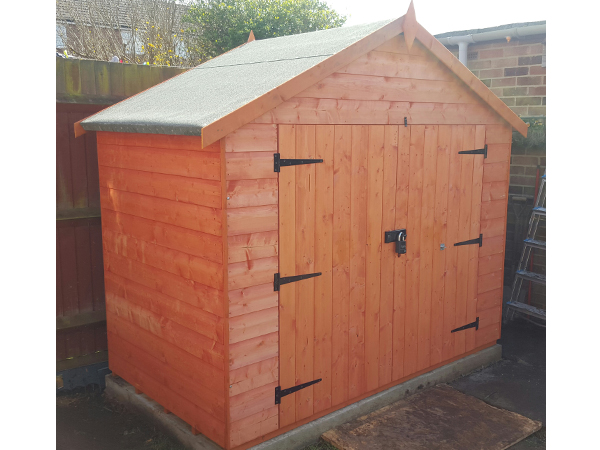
(464, 41)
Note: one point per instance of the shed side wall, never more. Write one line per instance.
(164, 272)
(252, 236)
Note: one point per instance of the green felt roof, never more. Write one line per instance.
(188, 102)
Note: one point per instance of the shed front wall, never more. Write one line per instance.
(399, 339)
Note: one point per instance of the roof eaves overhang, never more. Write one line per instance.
(465, 75)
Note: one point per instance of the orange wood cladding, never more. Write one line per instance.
(192, 237)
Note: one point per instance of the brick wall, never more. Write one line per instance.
(516, 72)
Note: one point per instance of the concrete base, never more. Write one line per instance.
(310, 433)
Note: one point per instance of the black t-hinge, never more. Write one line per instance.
(479, 241)
(481, 151)
(278, 281)
(278, 162)
(283, 392)
(470, 325)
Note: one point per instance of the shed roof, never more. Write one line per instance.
(233, 89)
(187, 103)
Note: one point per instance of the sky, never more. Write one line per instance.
(438, 16)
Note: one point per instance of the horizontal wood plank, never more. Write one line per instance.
(247, 247)
(242, 193)
(489, 299)
(492, 228)
(493, 209)
(397, 44)
(253, 376)
(249, 166)
(173, 162)
(385, 64)
(187, 266)
(196, 319)
(253, 350)
(489, 281)
(495, 172)
(192, 342)
(370, 87)
(329, 111)
(254, 426)
(255, 298)
(489, 317)
(194, 293)
(497, 153)
(487, 335)
(252, 138)
(189, 365)
(254, 219)
(172, 187)
(252, 273)
(174, 142)
(186, 215)
(492, 244)
(491, 263)
(192, 242)
(181, 406)
(494, 190)
(252, 402)
(213, 402)
(253, 324)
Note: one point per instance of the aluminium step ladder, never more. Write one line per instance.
(516, 305)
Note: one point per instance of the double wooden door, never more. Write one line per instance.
(372, 317)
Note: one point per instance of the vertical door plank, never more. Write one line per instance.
(358, 241)
(287, 267)
(388, 255)
(373, 257)
(400, 286)
(413, 253)
(305, 263)
(341, 262)
(448, 340)
(426, 238)
(475, 229)
(439, 237)
(464, 233)
(323, 264)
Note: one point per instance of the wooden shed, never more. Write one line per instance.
(325, 209)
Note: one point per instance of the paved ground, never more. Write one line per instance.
(517, 383)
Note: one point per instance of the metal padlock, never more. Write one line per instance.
(401, 243)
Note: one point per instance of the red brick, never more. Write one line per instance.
(527, 81)
(530, 60)
(499, 82)
(509, 101)
(519, 110)
(537, 111)
(525, 101)
(525, 160)
(518, 51)
(537, 70)
(531, 171)
(491, 73)
(497, 91)
(474, 65)
(510, 92)
(521, 180)
(537, 90)
(516, 71)
(504, 62)
(492, 53)
(517, 170)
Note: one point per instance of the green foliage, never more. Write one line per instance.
(536, 134)
(217, 26)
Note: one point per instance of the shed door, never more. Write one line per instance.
(372, 317)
